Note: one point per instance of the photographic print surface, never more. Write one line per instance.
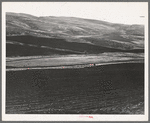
(86, 59)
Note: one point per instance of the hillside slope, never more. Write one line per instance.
(72, 35)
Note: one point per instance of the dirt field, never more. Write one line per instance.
(109, 89)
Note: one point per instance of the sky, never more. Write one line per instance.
(115, 12)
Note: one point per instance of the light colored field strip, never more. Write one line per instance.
(72, 67)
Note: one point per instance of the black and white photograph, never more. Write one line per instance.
(75, 61)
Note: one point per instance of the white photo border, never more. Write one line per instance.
(70, 117)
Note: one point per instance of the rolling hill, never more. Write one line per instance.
(30, 35)
(68, 65)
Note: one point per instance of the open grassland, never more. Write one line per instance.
(71, 61)
(109, 89)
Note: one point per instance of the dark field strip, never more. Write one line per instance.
(75, 47)
(110, 89)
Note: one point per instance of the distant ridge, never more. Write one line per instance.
(96, 33)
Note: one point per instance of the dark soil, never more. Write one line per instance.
(109, 89)
(76, 48)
